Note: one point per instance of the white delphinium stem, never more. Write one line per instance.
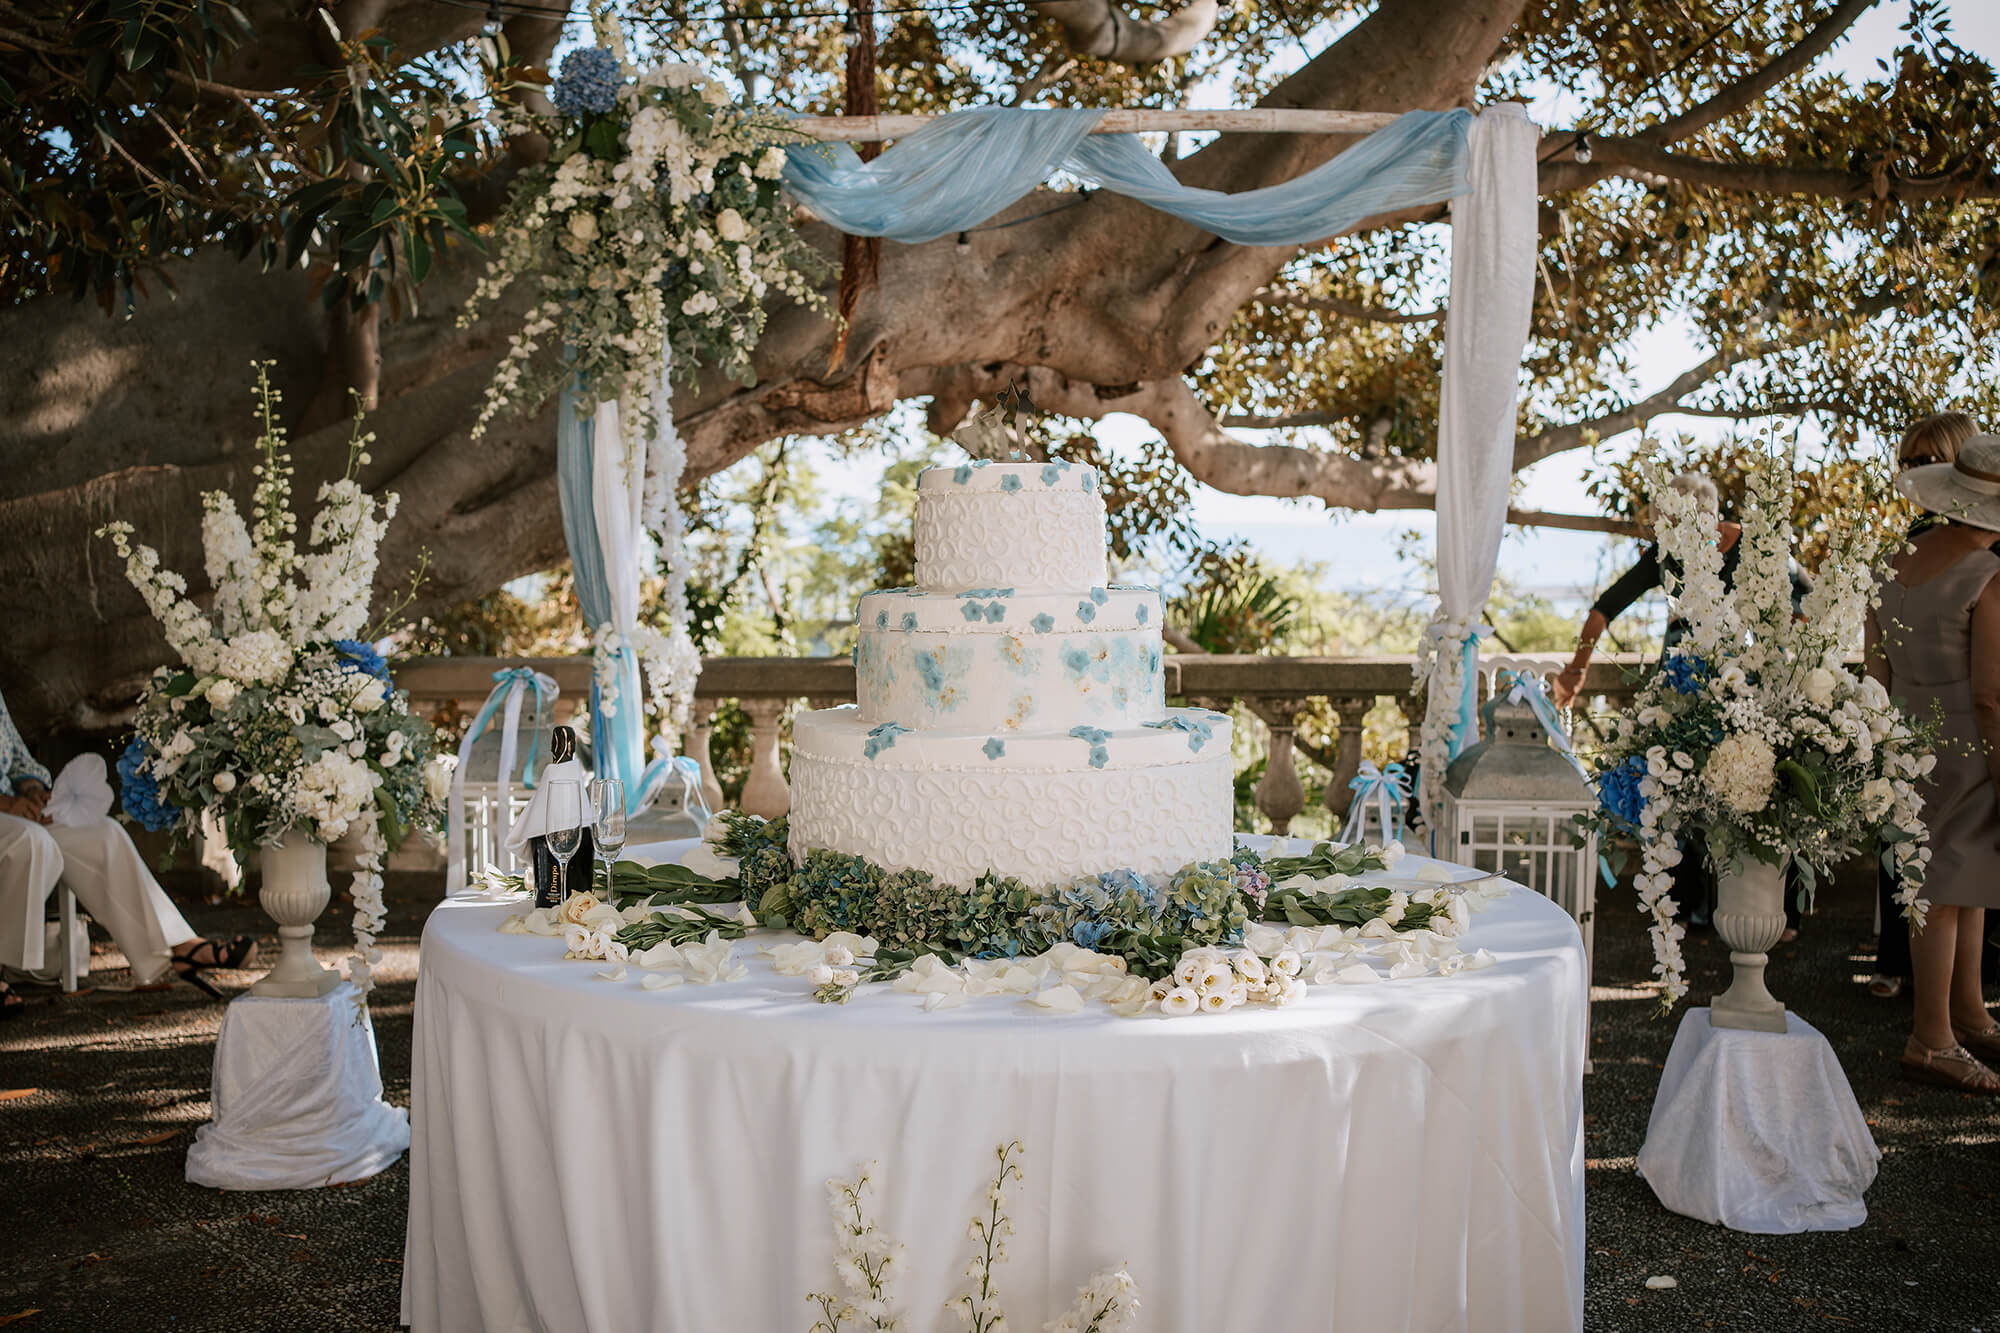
(864, 1260)
(1685, 528)
(1108, 1303)
(230, 559)
(979, 1307)
(1763, 592)
(370, 913)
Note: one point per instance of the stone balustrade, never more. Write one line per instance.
(1275, 689)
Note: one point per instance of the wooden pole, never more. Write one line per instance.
(1251, 120)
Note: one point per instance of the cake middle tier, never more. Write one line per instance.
(1045, 807)
(989, 660)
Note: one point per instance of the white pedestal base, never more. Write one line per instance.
(297, 1096)
(1758, 1131)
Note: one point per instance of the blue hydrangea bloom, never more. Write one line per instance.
(588, 83)
(1090, 934)
(1042, 623)
(1618, 790)
(358, 656)
(1685, 673)
(139, 793)
(994, 747)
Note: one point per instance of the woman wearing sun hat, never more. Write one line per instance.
(1934, 643)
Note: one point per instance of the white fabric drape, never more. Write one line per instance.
(1758, 1131)
(297, 1096)
(1493, 240)
(110, 879)
(590, 1156)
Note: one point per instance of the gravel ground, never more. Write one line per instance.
(100, 1093)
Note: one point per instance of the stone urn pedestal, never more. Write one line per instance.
(1749, 916)
(294, 893)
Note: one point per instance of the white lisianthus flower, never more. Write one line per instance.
(1179, 1002)
(1288, 963)
(437, 780)
(729, 225)
(1399, 903)
(1216, 1001)
(222, 694)
(1392, 853)
(372, 695)
(1251, 968)
(225, 782)
(1877, 795)
(1215, 978)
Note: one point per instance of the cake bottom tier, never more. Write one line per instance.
(1044, 808)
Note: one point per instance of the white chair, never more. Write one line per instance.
(67, 926)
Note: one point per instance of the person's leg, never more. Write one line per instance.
(1933, 954)
(114, 884)
(1968, 1002)
(30, 865)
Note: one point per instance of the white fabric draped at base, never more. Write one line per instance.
(1758, 1131)
(590, 1156)
(297, 1098)
(1493, 241)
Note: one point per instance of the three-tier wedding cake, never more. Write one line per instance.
(1012, 710)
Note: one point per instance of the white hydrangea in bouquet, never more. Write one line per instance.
(653, 234)
(281, 717)
(1754, 729)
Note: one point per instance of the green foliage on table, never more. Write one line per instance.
(690, 925)
(1345, 907)
(1326, 859)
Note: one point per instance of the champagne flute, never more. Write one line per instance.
(607, 824)
(564, 828)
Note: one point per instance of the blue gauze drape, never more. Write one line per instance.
(618, 742)
(960, 170)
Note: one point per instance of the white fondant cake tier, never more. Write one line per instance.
(992, 660)
(1026, 526)
(1043, 806)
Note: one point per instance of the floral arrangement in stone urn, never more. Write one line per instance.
(1757, 731)
(280, 719)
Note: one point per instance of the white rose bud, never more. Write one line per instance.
(222, 694)
(729, 224)
(225, 782)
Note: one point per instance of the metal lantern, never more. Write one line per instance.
(1510, 804)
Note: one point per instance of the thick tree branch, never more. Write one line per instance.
(1333, 305)
(1101, 28)
(1620, 156)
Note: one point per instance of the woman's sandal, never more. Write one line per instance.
(11, 1003)
(1952, 1067)
(190, 966)
(1884, 987)
(1985, 1045)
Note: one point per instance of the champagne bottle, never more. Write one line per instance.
(548, 882)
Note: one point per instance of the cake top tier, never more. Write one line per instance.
(1031, 476)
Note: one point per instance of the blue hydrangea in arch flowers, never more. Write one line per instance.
(139, 794)
(358, 656)
(588, 83)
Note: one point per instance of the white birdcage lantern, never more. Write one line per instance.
(1510, 804)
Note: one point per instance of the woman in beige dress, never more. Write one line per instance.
(1934, 642)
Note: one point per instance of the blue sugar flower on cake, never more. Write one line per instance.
(1198, 732)
(961, 474)
(1011, 482)
(1089, 482)
(1097, 736)
(881, 738)
(996, 612)
(1051, 474)
(994, 747)
(1141, 612)
(1100, 595)
(882, 619)
(986, 592)
(971, 612)
(1042, 623)
(1086, 611)
(909, 620)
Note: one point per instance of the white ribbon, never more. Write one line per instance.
(514, 683)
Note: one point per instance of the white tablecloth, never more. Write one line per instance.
(1758, 1131)
(592, 1156)
(297, 1095)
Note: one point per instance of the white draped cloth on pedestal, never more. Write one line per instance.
(297, 1097)
(1758, 1131)
(590, 1156)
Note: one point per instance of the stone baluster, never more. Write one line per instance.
(764, 790)
(701, 726)
(1346, 755)
(1280, 794)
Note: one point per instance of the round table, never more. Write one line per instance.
(589, 1155)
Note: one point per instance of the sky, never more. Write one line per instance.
(1567, 566)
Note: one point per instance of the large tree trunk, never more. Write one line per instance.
(133, 419)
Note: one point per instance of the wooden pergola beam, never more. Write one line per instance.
(1249, 120)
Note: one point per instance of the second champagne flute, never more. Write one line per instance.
(607, 810)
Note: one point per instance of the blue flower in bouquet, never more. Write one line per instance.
(358, 656)
(1090, 934)
(1685, 673)
(139, 792)
(1618, 790)
(588, 83)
